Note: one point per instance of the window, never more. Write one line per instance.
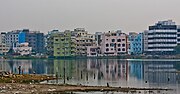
(107, 49)
(118, 40)
(123, 45)
(112, 44)
(56, 39)
(119, 45)
(119, 49)
(113, 40)
(123, 49)
(107, 39)
(107, 45)
(111, 48)
(123, 39)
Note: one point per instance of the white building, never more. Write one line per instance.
(23, 49)
(12, 38)
(162, 37)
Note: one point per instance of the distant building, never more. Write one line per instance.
(34, 38)
(93, 51)
(50, 41)
(98, 38)
(136, 43)
(145, 40)
(162, 37)
(61, 44)
(4, 49)
(114, 43)
(83, 40)
(12, 38)
(2, 37)
(23, 49)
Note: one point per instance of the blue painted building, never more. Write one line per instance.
(136, 43)
(35, 40)
(22, 37)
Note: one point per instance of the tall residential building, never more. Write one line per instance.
(12, 38)
(34, 38)
(63, 45)
(162, 37)
(2, 37)
(114, 43)
(83, 40)
(136, 43)
(50, 41)
(4, 49)
(60, 44)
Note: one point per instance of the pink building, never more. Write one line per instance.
(114, 43)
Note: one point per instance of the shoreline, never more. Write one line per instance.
(54, 88)
(96, 57)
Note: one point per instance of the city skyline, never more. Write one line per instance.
(94, 15)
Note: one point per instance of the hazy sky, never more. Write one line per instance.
(94, 15)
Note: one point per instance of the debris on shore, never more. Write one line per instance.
(9, 88)
(6, 77)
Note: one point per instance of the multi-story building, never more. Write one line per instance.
(136, 43)
(50, 41)
(98, 38)
(4, 49)
(34, 38)
(23, 49)
(162, 37)
(12, 38)
(114, 43)
(61, 44)
(2, 37)
(83, 40)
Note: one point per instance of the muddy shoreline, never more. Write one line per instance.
(19, 88)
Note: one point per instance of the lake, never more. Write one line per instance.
(162, 73)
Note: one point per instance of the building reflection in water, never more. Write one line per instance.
(5, 66)
(160, 72)
(108, 69)
(101, 71)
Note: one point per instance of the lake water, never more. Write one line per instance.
(98, 72)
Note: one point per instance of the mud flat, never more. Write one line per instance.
(9, 88)
(26, 78)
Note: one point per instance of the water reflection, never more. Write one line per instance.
(115, 72)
